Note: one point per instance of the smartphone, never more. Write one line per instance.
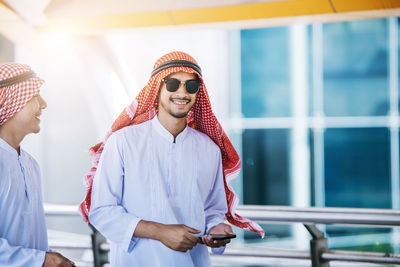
(222, 236)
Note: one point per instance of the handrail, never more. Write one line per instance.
(61, 209)
(317, 215)
(71, 209)
(285, 214)
(370, 257)
(332, 255)
(268, 253)
(319, 209)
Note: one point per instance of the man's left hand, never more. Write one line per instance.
(221, 228)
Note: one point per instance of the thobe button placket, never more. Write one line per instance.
(170, 167)
(23, 174)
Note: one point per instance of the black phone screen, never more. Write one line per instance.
(221, 236)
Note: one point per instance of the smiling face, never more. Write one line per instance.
(28, 118)
(176, 104)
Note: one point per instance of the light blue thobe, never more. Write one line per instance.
(144, 175)
(23, 234)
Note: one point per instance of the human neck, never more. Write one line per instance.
(11, 136)
(173, 125)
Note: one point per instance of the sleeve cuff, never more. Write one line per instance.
(41, 257)
(129, 240)
(218, 251)
(213, 222)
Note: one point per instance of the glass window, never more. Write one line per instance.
(265, 72)
(356, 68)
(310, 65)
(398, 57)
(358, 238)
(357, 168)
(311, 140)
(266, 166)
(266, 173)
(236, 138)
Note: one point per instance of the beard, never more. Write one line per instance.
(178, 115)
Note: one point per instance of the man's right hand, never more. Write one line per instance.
(178, 237)
(54, 259)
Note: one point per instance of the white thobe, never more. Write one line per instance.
(144, 175)
(23, 234)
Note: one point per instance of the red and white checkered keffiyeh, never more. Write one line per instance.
(14, 97)
(200, 117)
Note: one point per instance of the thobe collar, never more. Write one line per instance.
(166, 134)
(6, 146)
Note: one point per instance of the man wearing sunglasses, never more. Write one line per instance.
(158, 189)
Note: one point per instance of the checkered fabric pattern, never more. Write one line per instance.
(14, 97)
(200, 117)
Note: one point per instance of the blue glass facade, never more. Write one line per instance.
(266, 155)
(357, 168)
(355, 68)
(265, 73)
(349, 115)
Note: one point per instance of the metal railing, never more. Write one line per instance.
(319, 254)
(314, 215)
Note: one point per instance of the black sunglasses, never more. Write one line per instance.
(192, 86)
